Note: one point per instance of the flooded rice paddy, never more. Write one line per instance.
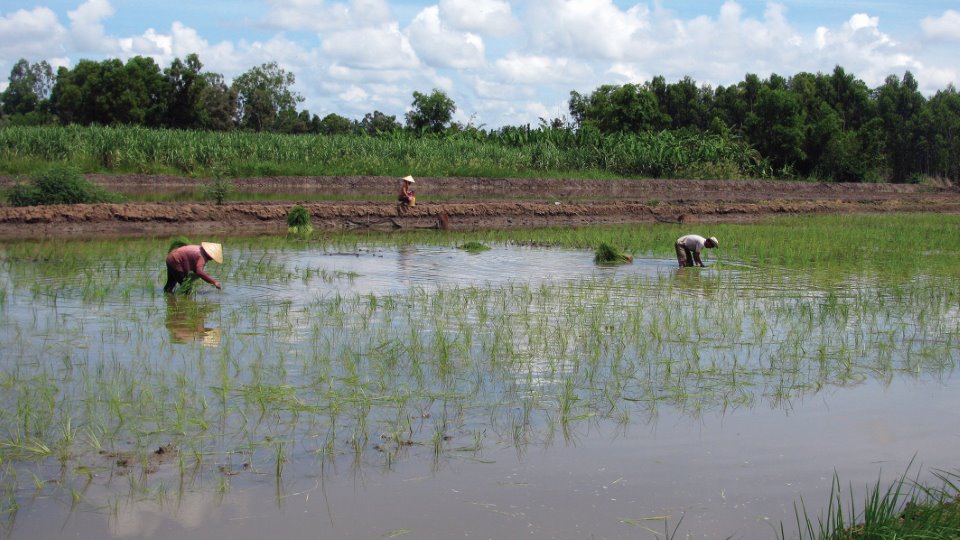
(427, 392)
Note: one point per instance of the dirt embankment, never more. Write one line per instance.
(464, 203)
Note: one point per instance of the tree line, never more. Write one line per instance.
(824, 126)
(184, 96)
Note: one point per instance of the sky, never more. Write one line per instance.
(503, 62)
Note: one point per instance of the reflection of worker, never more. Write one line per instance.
(407, 197)
(186, 321)
(689, 248)
(186, 259)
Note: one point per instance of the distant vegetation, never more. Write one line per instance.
(821, 126)
(58, 185)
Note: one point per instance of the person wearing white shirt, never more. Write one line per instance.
(689, 248)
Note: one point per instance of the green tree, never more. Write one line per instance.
(940, 135)
(262, 92)
(110, 92)
(292, 122)
(683, 104)
(334, 124)
(430, 112)
(186, 85)
(216, 104)
(28, 89)
(627, 108)
(775, 127)
(376, 123)
(898, 105)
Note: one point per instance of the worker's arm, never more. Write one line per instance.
(696, 258)
(204, 276)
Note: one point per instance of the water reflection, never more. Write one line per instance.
(186, 321)
(400, 359)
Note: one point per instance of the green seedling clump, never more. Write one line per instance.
(298, 220)
(474, 247)
(607, 254)
(58, 185)
(178, 242)
(189, 285)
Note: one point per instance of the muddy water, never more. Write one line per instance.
(426, 392)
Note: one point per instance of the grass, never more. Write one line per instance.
(904, 509)
(58, 184)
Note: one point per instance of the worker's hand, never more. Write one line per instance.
(217, 285)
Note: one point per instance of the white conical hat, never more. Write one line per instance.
(410, 179)
(213, 250)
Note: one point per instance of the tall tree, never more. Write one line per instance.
(334, 124)
(899, 104)
(110, 92)
(627, 108)
(262, 92)
(186, 85)
(28, 89)
(216, 104)
(376, 123)
(775, 127)
(431, 112)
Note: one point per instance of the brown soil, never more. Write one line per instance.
(464, 203)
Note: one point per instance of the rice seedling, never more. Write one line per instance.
(474, 247)
(607, 254)
(298, 221)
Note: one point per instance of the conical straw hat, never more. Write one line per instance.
(410, 179)
(213, 250)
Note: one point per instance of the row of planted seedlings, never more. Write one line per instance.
(103, 398)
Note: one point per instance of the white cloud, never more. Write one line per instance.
(377, 48)
(86, 27)
(533, 69)
(34, 34)
(318, 16)
(485, 17)
(441, 47)
(585, 28)
(945, 27)
(499, 91)
(149, 44)
(861, 48)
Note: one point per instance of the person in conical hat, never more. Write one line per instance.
(191, 258)
(407, 197)
(689, 247)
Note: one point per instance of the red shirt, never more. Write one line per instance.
(187, 259)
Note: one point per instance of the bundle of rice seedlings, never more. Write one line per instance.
(298, 220)
(474, 247)
(607, 254)
(178, 242)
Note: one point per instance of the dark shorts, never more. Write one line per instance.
(684, 255)
(174, 278)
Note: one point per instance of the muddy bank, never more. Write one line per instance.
(467, 203)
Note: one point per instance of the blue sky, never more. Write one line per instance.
(502, 61)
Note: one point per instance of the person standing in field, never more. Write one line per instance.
(689, 247)
(192, 258)
(407, 197)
